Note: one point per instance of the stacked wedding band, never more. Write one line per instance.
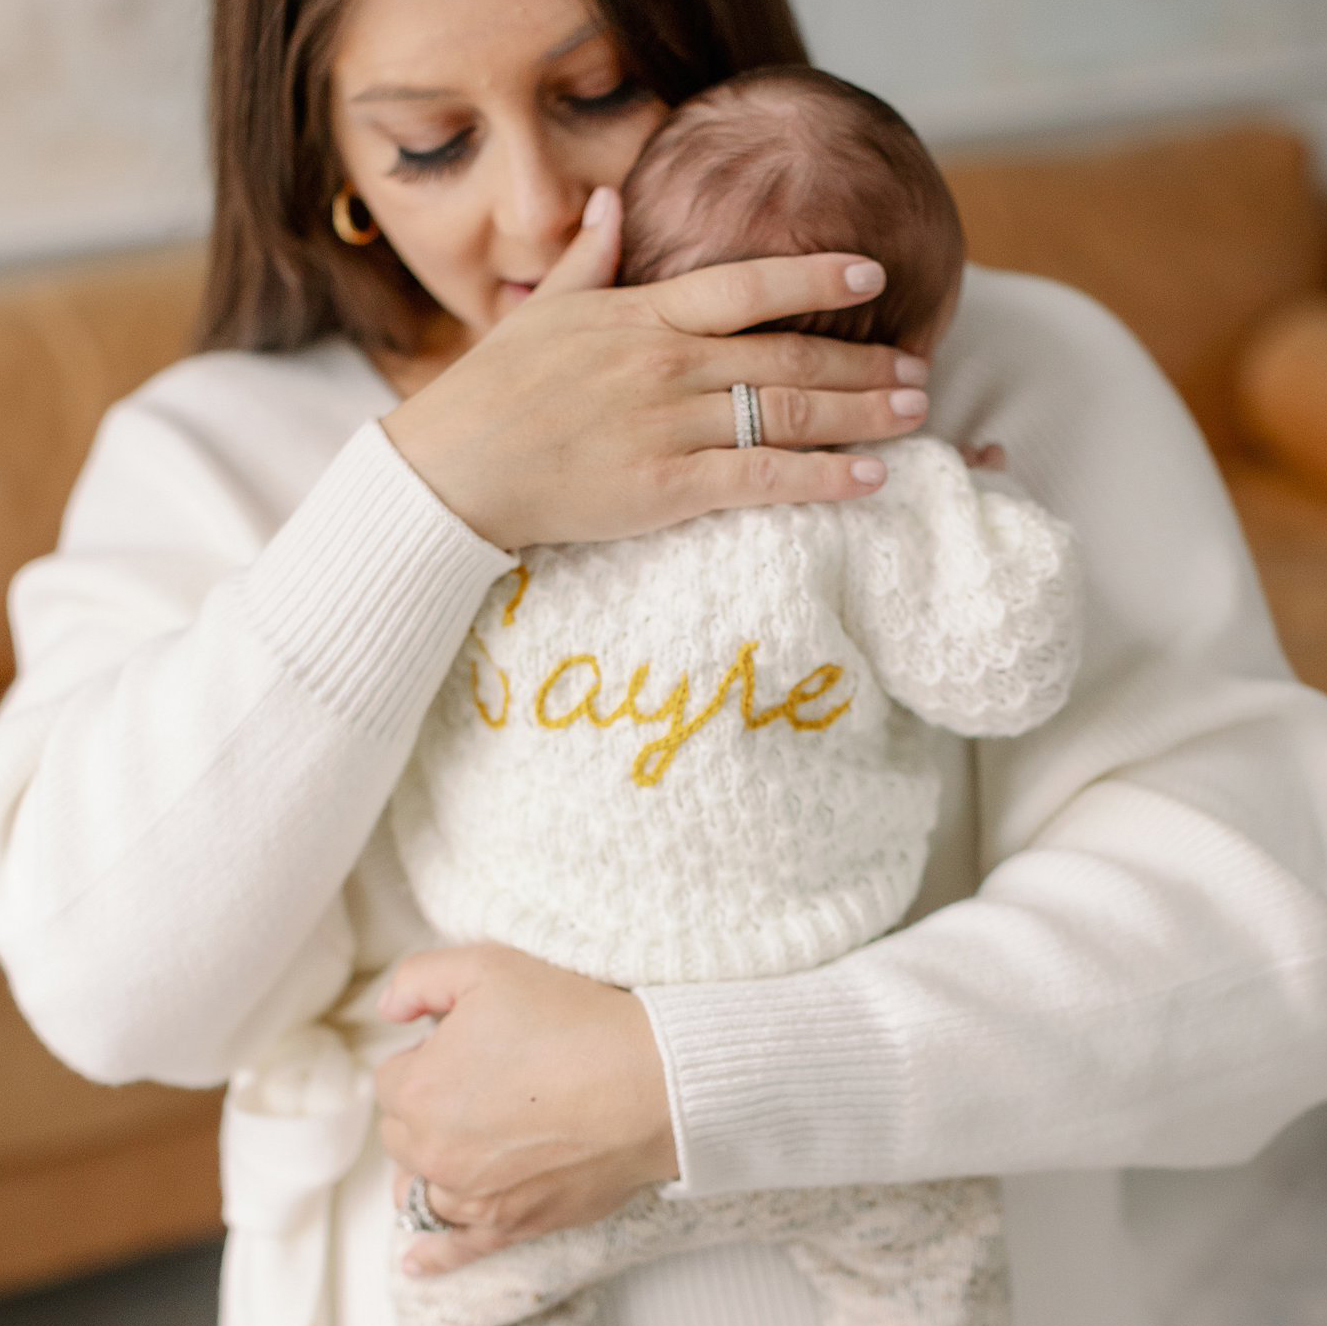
(417, 1215)
(746, 414)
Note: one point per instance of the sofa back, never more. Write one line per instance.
(1192, 238)
(74, 339)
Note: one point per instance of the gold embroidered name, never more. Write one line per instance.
(653, 760)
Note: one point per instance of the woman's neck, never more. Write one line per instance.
(444, 343)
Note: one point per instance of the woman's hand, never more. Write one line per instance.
(537, 1103)
(589, 414)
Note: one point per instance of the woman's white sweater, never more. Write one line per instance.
(224, 666)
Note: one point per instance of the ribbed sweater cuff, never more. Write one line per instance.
(775, 1083)
(366, 592)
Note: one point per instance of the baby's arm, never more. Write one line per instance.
(963, 593)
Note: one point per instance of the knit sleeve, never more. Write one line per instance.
(207, 723)
(1141, 977)
(965, 598)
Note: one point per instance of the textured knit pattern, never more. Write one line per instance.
(929, 1254)
(744, 702)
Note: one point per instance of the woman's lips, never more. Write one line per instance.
(518, 289)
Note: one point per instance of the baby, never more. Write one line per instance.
(705, 753)
(791, 160)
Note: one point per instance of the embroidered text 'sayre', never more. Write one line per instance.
(653, 760)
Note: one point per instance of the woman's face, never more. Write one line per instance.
(475, 131)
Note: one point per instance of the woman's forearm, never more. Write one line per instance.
(194, 757)
(1143, 986)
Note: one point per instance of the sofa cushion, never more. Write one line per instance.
(1190, 238)
(74, 339)
(47, 1111)
(1282, 388)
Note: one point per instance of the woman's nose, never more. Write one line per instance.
(539, 197)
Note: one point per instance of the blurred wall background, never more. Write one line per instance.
(102, 102)
(969, 71)
(102, 107)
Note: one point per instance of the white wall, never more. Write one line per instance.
(101, 123)
(967, 70)
(102, 102)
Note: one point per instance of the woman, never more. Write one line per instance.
(258, 592)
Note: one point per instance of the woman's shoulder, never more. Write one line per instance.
(1023, 345)
(247, 387)
(227, 431)
(1012, 319)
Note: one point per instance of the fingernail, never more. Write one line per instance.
(911, 371)
(597, 208)
(868, 471)
(411, 1267)
(865, 278)
(908, 404)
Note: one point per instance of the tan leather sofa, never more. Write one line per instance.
(1193, 240)
(89, 1175)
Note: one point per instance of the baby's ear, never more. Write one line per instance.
(926, 341)
(983, 455)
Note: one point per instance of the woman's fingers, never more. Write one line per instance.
(485, 1225)
(791, 417)
(721, 300)
(435, 1254)
(715, 479)
(766, 359)
(590, 260)
(449, 1249)
(429, 982)
(401, 1178)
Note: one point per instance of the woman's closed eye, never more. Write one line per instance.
(436, 161)
(448, 156)
(628, 91)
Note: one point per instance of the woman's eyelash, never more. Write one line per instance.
(419, 165)
(628, 90)
(437, 161)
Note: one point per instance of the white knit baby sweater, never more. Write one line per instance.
(703, 753)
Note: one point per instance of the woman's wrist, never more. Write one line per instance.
(412, 430)
(366, 591)
(658, 1149)
(748, 1063)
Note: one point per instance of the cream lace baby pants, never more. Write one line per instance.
(923, 1254)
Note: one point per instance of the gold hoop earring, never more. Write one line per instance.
(343, 222)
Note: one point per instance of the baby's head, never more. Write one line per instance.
(791, 160)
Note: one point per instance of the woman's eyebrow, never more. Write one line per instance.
(404, 92)
(578, 38)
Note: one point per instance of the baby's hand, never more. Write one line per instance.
(983, 455)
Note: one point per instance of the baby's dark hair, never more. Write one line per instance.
(787, 160)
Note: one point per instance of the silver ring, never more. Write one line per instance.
(746, 415)
(417, 1216)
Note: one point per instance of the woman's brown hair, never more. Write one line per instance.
(278, 277)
